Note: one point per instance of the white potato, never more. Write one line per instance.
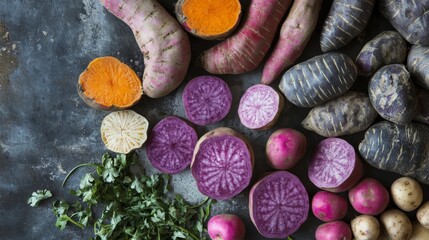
(365, 227)
(419, 232)
(397, 224)
(406, 193)
(423, 215)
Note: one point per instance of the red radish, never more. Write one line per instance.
(222, 163)
(335, 166)
(328, 206)
(278, 204)
(207, 99)
(226, 227)
(244, 51)
(260, 107)
(337, 230)
(369, 197)
(294, 35)
(171, 144)
(285, 147)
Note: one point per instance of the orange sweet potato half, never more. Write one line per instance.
(109, 84)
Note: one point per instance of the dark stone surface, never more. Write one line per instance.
(45, 128)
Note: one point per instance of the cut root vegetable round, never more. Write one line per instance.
(222, 163)
(171, 144)
(207, 100)
(278, 204)
(335, 166)
(109, 84)
(260, 107)
(124, 131)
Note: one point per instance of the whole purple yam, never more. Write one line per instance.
(171, 144)
(207, 100)
(222, 163)
(418, 65)
(278, 204)
(423, 102)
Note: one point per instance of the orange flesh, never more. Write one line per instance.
(211, 17)
(109, 82)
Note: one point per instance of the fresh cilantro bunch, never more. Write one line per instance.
(131, 206)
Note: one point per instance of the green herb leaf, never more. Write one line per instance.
(38, 196)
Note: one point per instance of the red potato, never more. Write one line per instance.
(164, 44)
(294, 35)
(337, 230)
(244, 51)
(226, 227)
(369, 197)
(328, 206)
(285, 147)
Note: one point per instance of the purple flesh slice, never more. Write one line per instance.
(207, 100)
(171, 145)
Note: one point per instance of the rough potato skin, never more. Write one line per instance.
(418, 64)
(419, 232)
(397, 224)
(318, 79)
(386, 48)
(402, 149)
(392, 94)
(409, 18)
(344, 115)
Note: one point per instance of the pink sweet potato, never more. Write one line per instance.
(294, 35)
(337, 230)
(328, 206)
(244, 51)
(369, 197)
(163, 42)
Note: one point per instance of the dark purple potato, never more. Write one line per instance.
(318, 79)
(386, 48)
(402, 149)
(423, 103)
(278, 204)
(344, 115)
(409, 18)
(207, 100)
(392, 94)
(418, 65)
(260, 107)
(222, 163)
(171, 144)
(335, 166)
(345, 21)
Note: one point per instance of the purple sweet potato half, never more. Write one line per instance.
(278, 204)
(335, 166)
(207, 100)
(222, 163)
(260, 107)
(171, 144)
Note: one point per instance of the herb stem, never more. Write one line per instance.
(73, 221)
(186, 231)
(200, 204)
(75, 168)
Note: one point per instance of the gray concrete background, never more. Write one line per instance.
(46, 129)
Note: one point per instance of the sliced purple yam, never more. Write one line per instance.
(222, 164)
(260, 106)
(335, 166)
(207, 100)
(278, 204)
(171, 144)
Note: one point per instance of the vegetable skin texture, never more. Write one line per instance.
(226, 227)
(418, 65)
(365, 227)
(210, 19)
(294, 36)
(423, 214)
(260, 107)
(347, 114)
(285, 147)
(207, 163)
(386, 48)
(346, 20)
(369, 197)
(164, 44)
(393, 94)
(171, 145)
(319, 79)
(398, 226)
(244, 51)
(402, 149)
(419, 232)
(406, 193)
(283, 214)
(335, 166)
(109, 84)
(423, 106)
(336, 230)
(327, 206)
(409, 18)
